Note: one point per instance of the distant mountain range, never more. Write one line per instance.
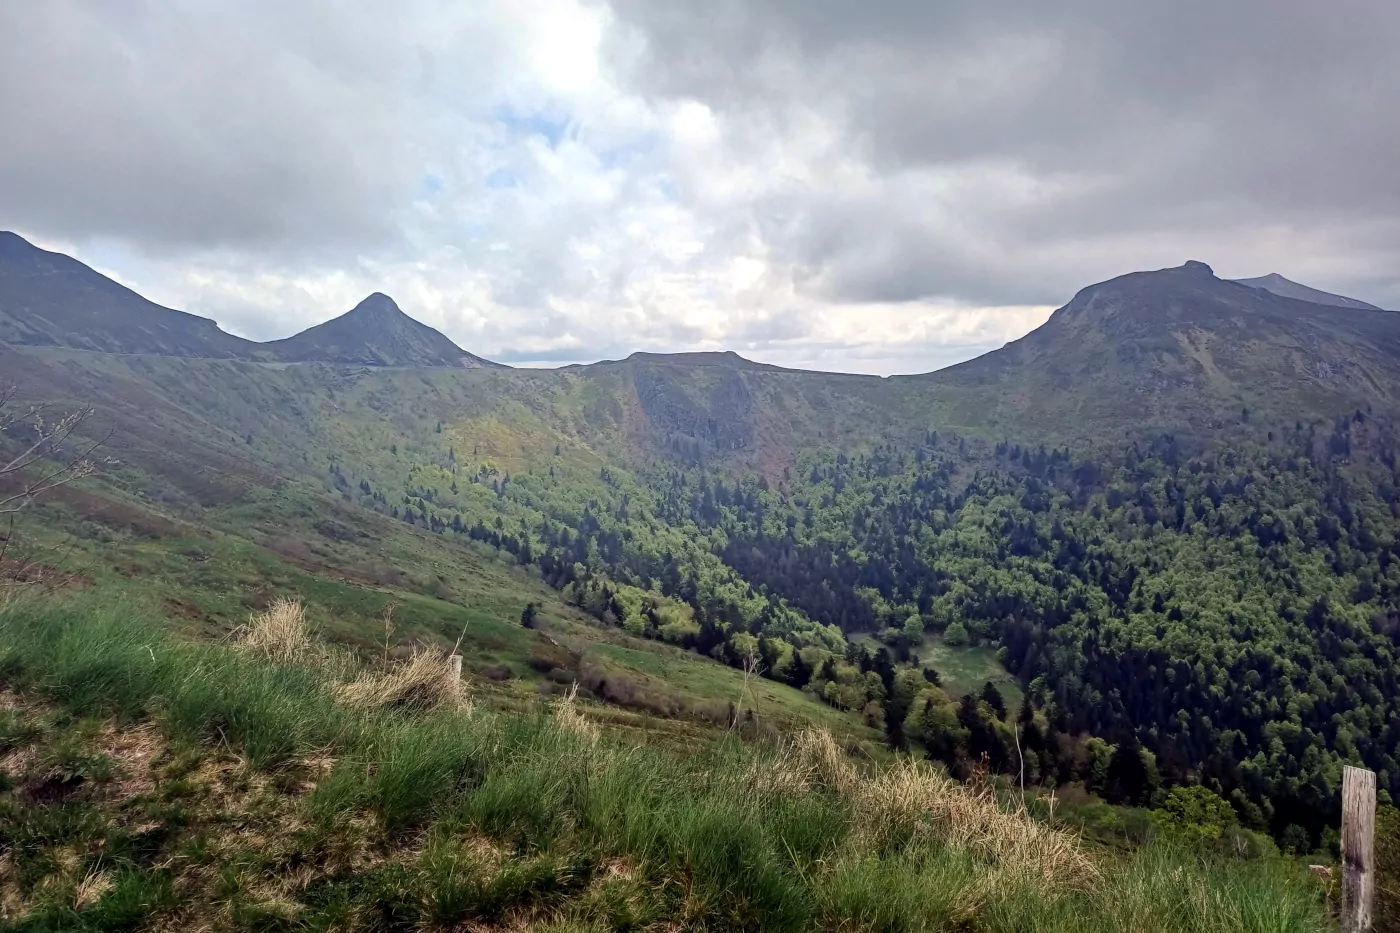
(49, 299)
(1174, 350)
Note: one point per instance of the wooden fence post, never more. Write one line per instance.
(1358, 848)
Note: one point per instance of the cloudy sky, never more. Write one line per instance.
(872, 187)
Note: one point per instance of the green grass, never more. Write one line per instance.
(207, 581)
(965, 668)
(770, 701)
(961, 668)
(438, 819)
(15, 730)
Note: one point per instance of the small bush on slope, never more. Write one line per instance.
(388, 819)
(1387, 917)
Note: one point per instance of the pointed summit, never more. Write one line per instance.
(377, 304)
(375, 333)
(1278, 285)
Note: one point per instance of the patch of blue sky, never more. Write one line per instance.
(502, 178)
(552, 127)
(667, 187)
(429, 187)
(472, 229)
(630, 153)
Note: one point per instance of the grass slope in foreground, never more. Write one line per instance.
(160, 784)
(205, 581)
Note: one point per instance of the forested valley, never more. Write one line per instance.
(1177, 614)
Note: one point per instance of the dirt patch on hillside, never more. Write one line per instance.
(24, 573)
(116, 515)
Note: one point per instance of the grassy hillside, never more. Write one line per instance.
(151, 783)
(377, 585)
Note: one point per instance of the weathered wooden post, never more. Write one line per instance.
(1358, 848)
(454, 665)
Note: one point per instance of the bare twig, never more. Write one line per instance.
(750, 672)
(1016, 733)
(388, 628)
(47, 455)
(49, 461)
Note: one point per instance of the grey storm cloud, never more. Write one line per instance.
(198, 126)
(1137, 128)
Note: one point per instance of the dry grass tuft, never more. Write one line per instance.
(11, 895)
(912, 796)
(568, 717)
(279, 634)
(134, 749)
(811, 759)
(427, 680)
(824, 762)
(90, 890)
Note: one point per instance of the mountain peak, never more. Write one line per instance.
(1287, 288)
(1181, 348)
(696, 357)
(11, 242)
(376, 332)
(376, 303)
(722, 358)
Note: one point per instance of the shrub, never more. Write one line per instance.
(956, 635)
(1387, 918)
(1195, 814)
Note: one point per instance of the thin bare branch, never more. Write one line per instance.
(47, 458)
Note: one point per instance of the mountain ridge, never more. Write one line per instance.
(1169, 350)
(1173, 469)
(1287, 288)
(50, 299)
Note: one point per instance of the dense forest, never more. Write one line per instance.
(1178, 615)
(1233, 614)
